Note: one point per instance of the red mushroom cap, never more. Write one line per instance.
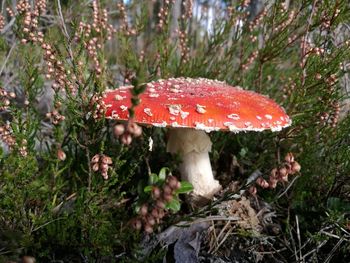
(201, 103)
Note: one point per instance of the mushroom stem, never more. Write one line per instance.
(193, 147)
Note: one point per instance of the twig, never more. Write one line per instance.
(342, 229)
(272, 252)
(298, 235)
(90, 169)
(224, 239)
(217, 218)
(215, 239)
(47, 223)
(62, 19)
(331, 254)
(303, 60)
(288, 187)
(8, 26)
(305, 244)
(149, 171)
(10, 251)
(329, 234)
(315, 249)
(221, 233)
(65, 31)
(293, 245)
(7, 58)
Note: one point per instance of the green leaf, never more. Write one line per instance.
(163, 173)
(173, 205)
(153, 179)
(140, 187)
(337, 204)
(185, 188)
(243, 152)
(148, 189)
(137, 208)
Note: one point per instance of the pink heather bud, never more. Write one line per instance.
(119, 129)
(55, 86)
(131, 127)
(95, 159)
(104, 174)
(136, 224)
(168, 197)
(156, 192)
(283, 172)
(295, 167)
(148, 229)
(104, 167)
(178, 185)
(161, 213)
(172, 182)
(289, 158)
(167, 189)
(272, 182)
(283, 177)
(288, 166)
(155, 213)
(95, 167)
(160, 204)
(58, 104)
(126, 139)
(137, 131)
(274, 173)
(262, 182)
(150, 220)
(61, 155)
(143, 210)
(107, 160)
(252, 190)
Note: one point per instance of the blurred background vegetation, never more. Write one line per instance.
(57, 56)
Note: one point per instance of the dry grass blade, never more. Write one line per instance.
(315, 250)
(216, 239)
(7, 58)
(288, 187)
(223, 239)
(331, 254)
(299, 238)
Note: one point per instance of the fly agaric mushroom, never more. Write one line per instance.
(191, 108)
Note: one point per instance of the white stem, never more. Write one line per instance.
(193, 147)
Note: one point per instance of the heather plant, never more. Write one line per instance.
(77, 187)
